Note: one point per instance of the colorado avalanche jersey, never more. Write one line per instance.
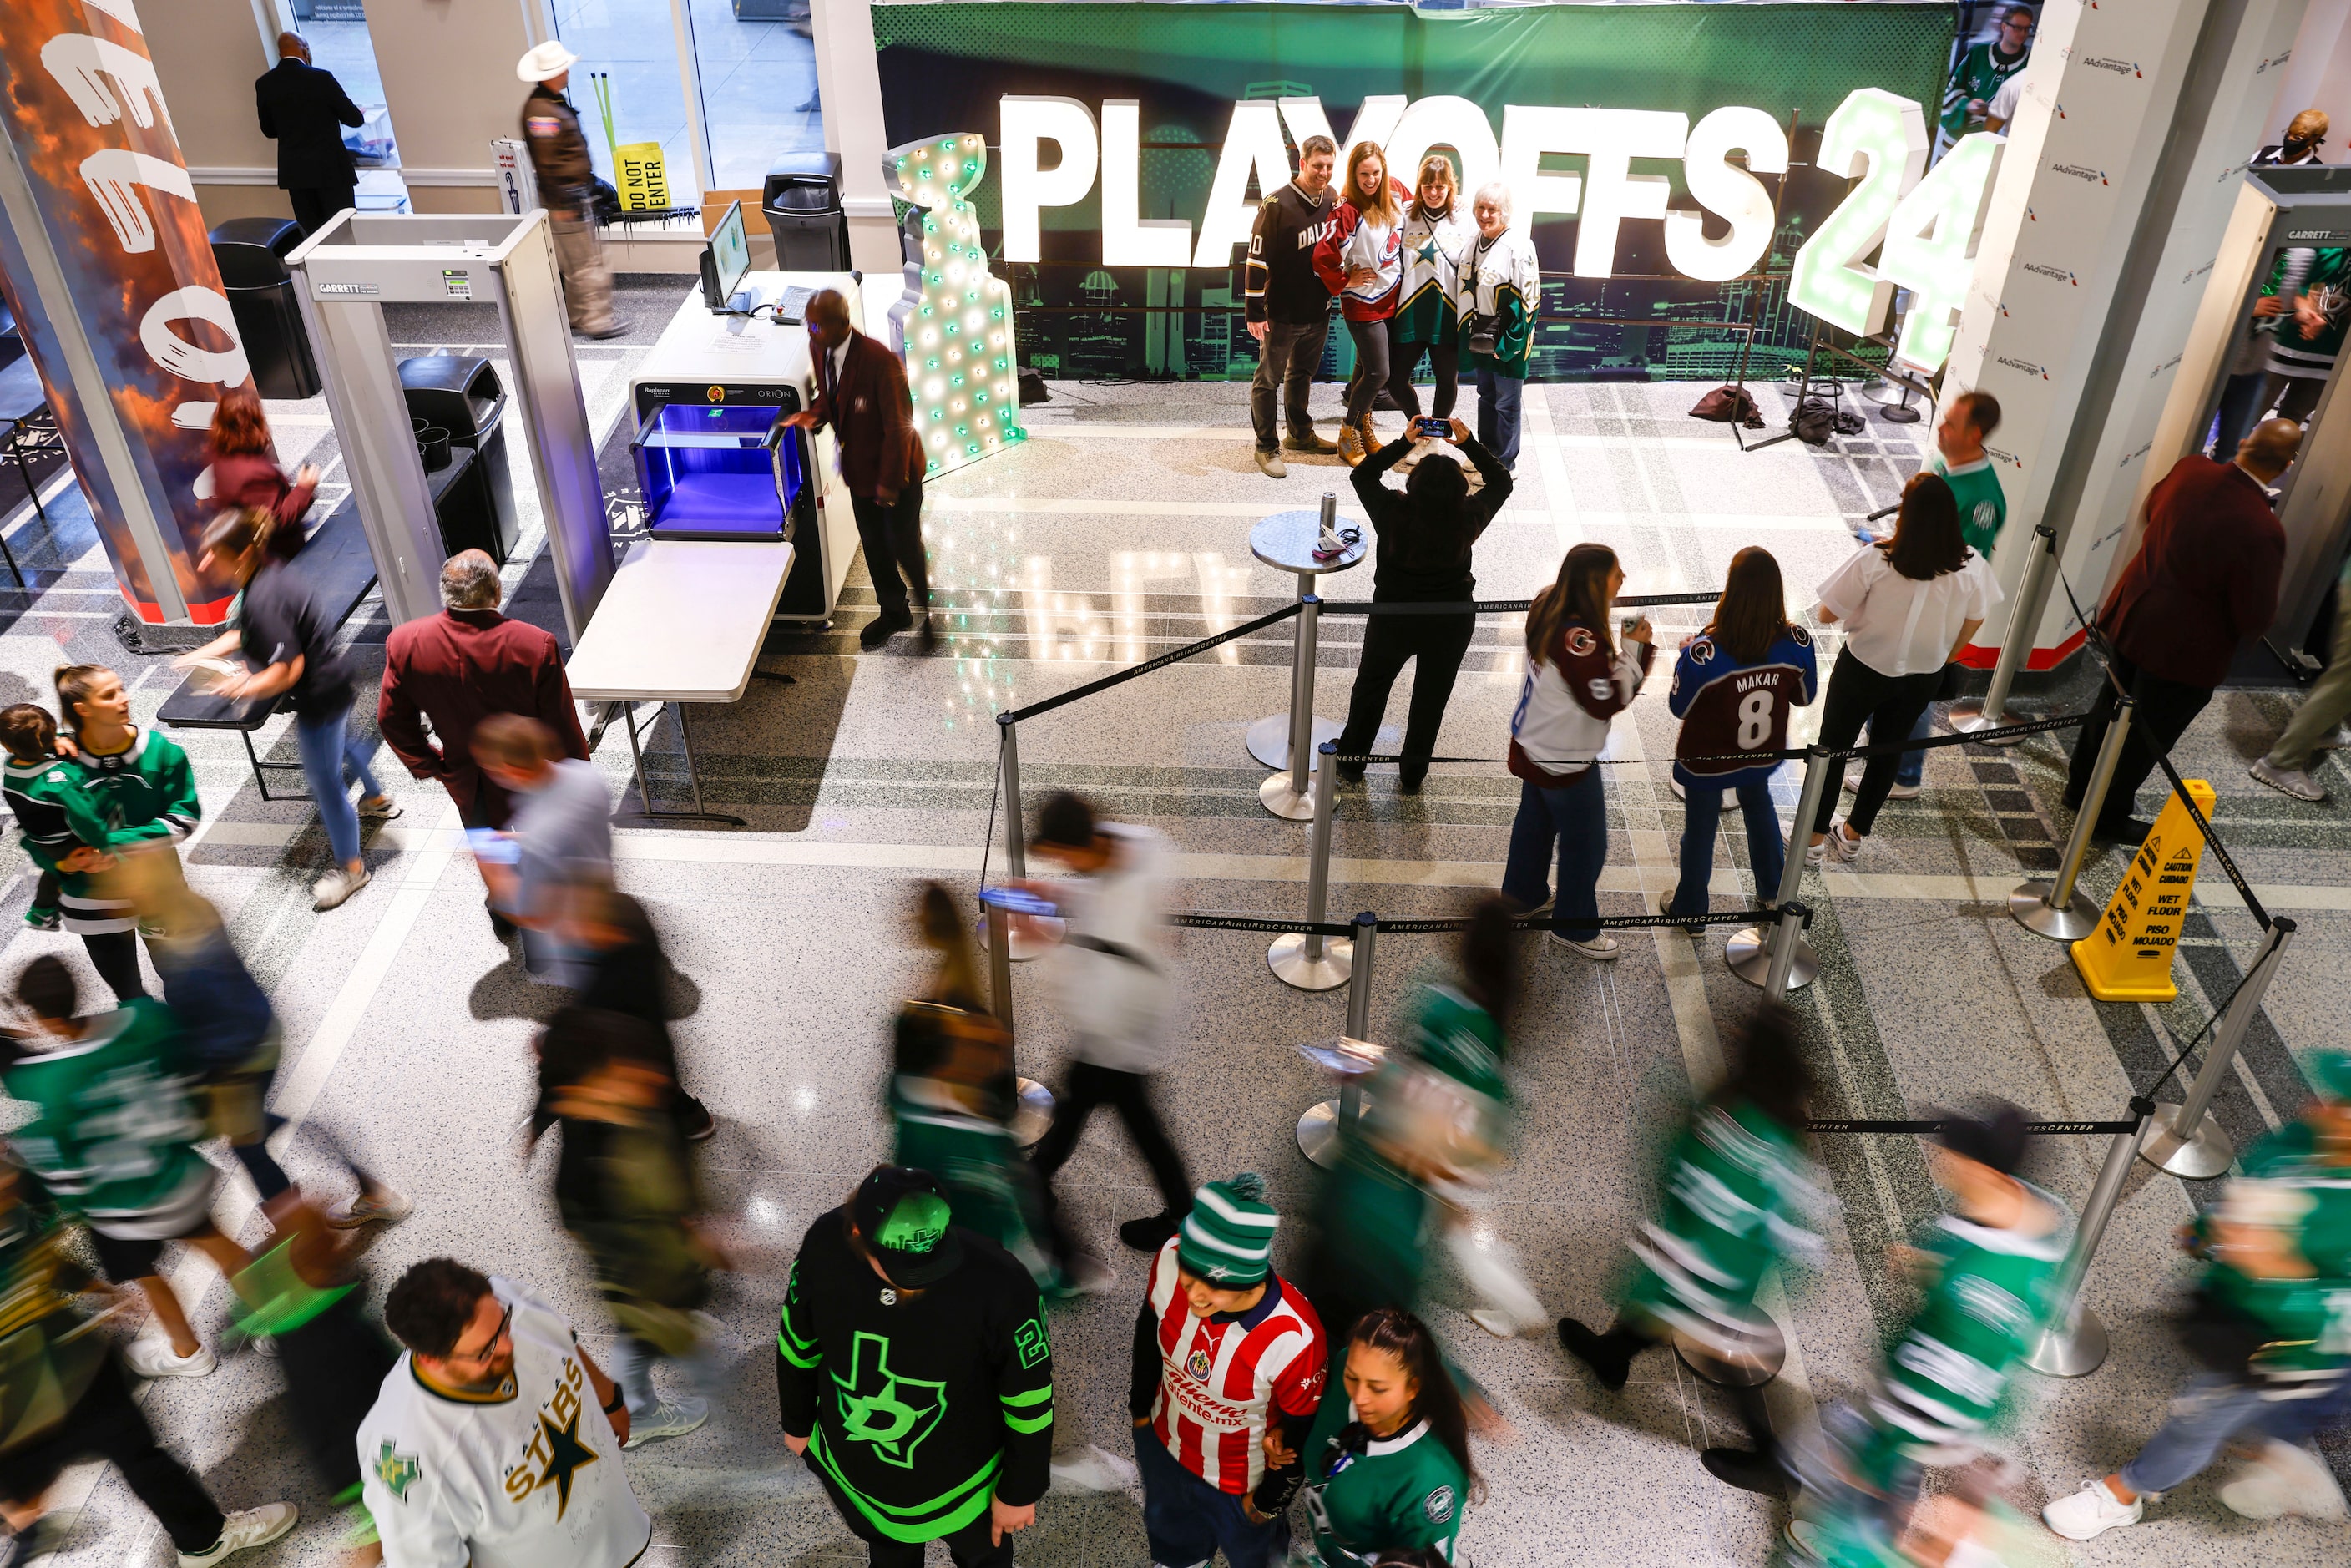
(1732, 711)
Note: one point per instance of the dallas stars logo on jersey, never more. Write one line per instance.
(396, 1470)
(893, 1413)
(555, 1446)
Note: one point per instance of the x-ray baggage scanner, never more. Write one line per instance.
(2278, 210)
(716, 461)
(345, 275)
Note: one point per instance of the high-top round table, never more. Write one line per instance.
(1287, 540)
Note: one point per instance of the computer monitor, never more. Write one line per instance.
(726, 260)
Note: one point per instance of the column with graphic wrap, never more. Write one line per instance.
(105, 263)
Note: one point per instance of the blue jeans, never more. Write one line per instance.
(1186, 1520)
(1701, 813)
(1577, 816)
(1498, 397)
(1912, 768)
(330, 758)
(2212, 1409)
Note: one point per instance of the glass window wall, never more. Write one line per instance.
(756, 61)
(634, 45)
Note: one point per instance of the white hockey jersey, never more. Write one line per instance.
(527, 1477)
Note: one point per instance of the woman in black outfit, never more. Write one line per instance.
(1425, 534)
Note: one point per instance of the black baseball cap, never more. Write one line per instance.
(903, 1216)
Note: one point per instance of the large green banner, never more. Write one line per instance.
(1615, 308)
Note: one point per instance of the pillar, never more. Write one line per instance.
(106, 267)
(2133, 132)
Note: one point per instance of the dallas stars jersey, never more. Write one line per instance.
(1427, 311)
(1984, 506)
(525, 1476)
(1738, 1192)
(1946, 1375)
(115, 1139)
(2308, 1321)
(1981, 71)
(1499, 278)
(144, 794)
(1730, 711)
(1367, 1494)
(919, 1405)
(1221, 1377)
(2323, 274)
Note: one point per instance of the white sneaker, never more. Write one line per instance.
(2338, 741)
(1899, 791)
(1804, 1536)
(1091, 1468)
(666, 1421)
(2293, 781)
(1270, 464)
(336, 886)
(2286, 1478)
(386, 1207)
(1502, 1325)
(1601, 949)
(1843, 843)
(2092, 1511)
(246, 1527)
(383, 809)
(153, 1358)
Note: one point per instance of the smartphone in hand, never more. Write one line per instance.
(1426, 428)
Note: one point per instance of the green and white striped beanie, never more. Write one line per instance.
(1227, 1238)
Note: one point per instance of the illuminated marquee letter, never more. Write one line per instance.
(1730, 193)
(1375, 118)
(1608, 192)
(1930, 246)
(1871, 129)
(1252, 148)
(1453, 123)
(959, 369)
(1128, 239)
(1026, 189)
(1527, 132)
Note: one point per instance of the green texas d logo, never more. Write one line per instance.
(894, 1414)
(396, 1470)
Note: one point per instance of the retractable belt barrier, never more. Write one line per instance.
(2056, 1129)
(1496, 606)
(1120, 677)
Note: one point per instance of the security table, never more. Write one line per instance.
(682, 622)
(1287, 540)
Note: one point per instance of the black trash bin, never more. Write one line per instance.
(462, 395)
(461, 503)
(249, 252)
(802, 201)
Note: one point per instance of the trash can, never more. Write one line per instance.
(802, 201)
(249, 252)
(461, 394)
(461, 504)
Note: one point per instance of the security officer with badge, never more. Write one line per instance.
(567, 188)
(914, 1376)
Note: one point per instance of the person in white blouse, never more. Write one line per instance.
(1908, 603)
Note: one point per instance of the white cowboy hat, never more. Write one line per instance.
(549, 60)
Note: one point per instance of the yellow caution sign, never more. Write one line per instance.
(642, 177)
(2128, 958)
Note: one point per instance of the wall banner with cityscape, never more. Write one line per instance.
(946, 67)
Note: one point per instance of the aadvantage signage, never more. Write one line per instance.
(1921, 226)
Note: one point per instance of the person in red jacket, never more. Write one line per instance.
(244, 471)
(457, 668)
(2204, 581)
(861, 392)
(1362, 261)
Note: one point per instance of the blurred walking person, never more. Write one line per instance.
(2316, 725)
(1578, 680)
(244, 471)
(1738, 1194)
(1427, 317)
(1425, 537)
(1111, 985)
(620, 967)
(1361, 259)
(1735, 685)
(561, 835)
(114, 1142)
(1388, 1461)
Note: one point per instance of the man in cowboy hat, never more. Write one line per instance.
(567, 187)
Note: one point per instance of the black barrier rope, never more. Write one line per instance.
(1981, 738)
(994, 794)
(1749, 757)
(2056, 1129)
(1605, 922)
(2101, 649)
(1121, 677)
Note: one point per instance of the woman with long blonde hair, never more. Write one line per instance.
(1428, 317)
(1360, 260)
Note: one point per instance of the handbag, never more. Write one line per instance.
(1729, 404)
(1484, 334)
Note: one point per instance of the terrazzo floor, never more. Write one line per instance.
(1118, 531)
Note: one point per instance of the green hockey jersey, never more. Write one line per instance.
(1368, 1494)
(918, 1405)
(989, 1185)
(115, 1139)
(1427, 311)
(1737, 1195)
(49, 1351)
(1946, 1375)
(2307, 1320)
(1981, 72)
(1984, 506)
(2322, 275)
(145, 793)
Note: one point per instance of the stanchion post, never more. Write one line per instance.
(1748, 950)
(1305, 958)
(1287, 794)
(1016, 828)
(999, 961)
(2057, 909)
(1786, 937)
(2074, 1343)
(1359, 1010)
(1970, 717)
(2184, 1140)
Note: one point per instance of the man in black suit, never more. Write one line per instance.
(303, 109)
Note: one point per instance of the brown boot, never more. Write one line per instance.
(1351, 445)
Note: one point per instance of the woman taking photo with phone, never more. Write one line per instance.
(1499, 290)
(1425, 536)
(1578, 680)
(1908, 604)
(1734, 686)
(1427, 318)
(1361, 261)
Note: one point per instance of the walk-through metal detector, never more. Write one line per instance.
(344, 276)
(2279, 209)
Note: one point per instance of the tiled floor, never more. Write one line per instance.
(1118, 531)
